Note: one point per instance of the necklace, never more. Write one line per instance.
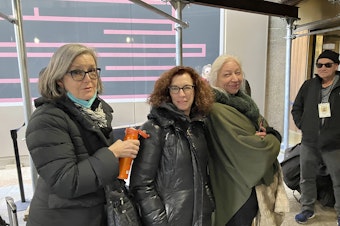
(324, 86)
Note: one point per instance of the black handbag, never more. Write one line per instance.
(121, 210)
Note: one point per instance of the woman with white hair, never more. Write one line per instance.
(244, 171)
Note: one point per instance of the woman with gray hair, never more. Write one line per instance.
(69, 137)
(244, 171)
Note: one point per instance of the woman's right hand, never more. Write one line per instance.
(125, 149)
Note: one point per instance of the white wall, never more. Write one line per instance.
(246, 36)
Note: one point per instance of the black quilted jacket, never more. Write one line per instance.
(72, 173)
(169, 175)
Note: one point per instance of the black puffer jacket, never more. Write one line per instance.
(72, 173)
(306, 116)
(169, 175)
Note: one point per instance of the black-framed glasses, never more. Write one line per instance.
(327, 65)
(79, 75)
(186, 89)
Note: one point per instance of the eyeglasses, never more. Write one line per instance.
(186, 89)
(79, 75)
(327, 65)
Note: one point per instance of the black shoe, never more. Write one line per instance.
(304, 216)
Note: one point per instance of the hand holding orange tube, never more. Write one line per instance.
(125, 163)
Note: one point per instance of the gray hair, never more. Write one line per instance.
(216, 68)
(59, 66)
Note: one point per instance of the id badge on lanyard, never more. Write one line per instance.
(324, 110)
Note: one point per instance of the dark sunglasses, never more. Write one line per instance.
(327, 65)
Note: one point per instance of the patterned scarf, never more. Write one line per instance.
(98, 115)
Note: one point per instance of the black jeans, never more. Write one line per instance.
(246, 214)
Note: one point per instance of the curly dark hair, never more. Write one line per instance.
(204, 96)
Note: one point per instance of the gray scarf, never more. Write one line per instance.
(98, 116)
(241, 101)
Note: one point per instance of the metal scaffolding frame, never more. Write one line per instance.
(289, 12)
(318, 27)
(178, 5)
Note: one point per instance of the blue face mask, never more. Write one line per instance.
(85, 103)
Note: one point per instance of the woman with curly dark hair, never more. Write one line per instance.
(169, 176)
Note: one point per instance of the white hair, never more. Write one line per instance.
(216, 67)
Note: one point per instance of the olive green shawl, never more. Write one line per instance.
(239, 159)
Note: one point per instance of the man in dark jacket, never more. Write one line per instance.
(316, 112)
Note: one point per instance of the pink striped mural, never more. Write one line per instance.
(129, 69)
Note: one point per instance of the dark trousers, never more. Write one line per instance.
(310, 158)
(246, 214)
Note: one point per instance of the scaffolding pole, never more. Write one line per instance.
(289, 38)
(22, 63)
(178, 5)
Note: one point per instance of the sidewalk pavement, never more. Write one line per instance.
(9, 186)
